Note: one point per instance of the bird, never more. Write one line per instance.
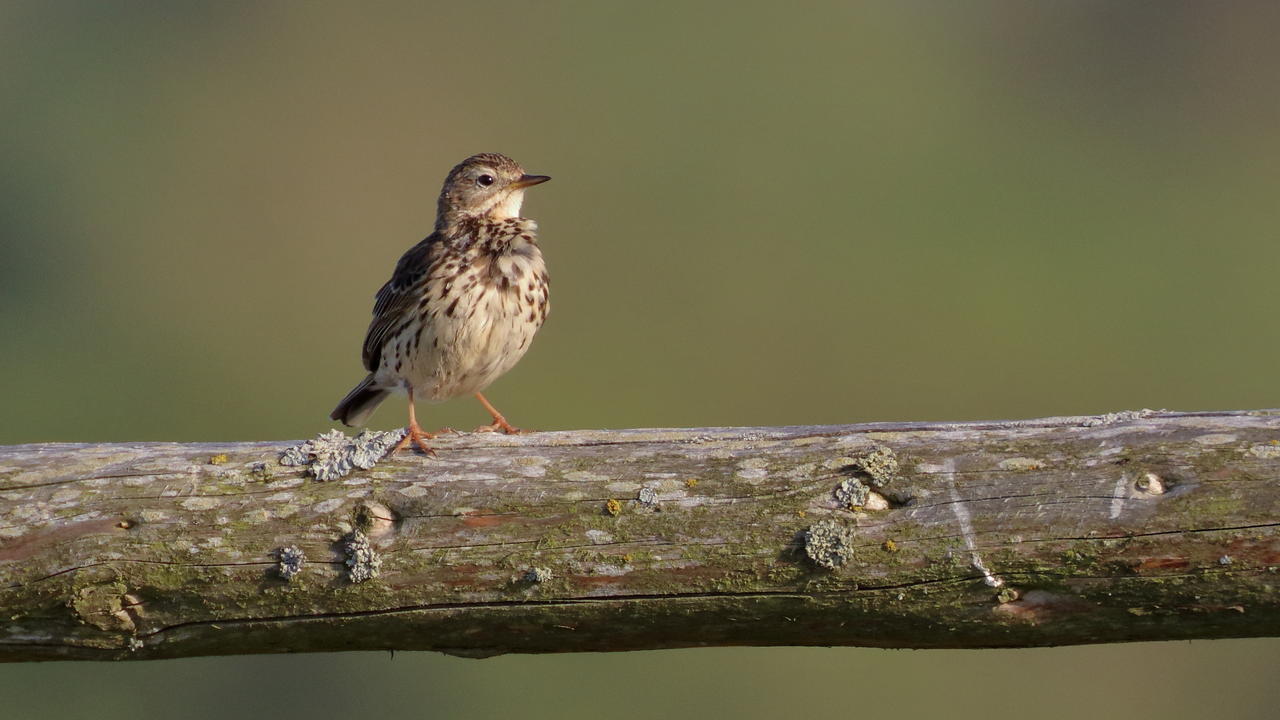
(462, 306)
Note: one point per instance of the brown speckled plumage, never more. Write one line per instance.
(462, 305)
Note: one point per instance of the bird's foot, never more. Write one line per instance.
(417, 436)
(499, 424)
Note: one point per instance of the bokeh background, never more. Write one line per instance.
(763, 213)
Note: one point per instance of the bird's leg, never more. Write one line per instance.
(499, 422)
(414, 434)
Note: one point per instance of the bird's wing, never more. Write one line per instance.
(398, 298)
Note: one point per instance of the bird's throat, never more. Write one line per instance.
(506, 205)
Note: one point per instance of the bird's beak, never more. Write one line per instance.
(529, 181)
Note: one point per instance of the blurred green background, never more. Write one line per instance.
(761, 215)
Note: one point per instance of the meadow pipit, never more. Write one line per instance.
(462, 305)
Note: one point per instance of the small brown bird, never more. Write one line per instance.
(462, 305)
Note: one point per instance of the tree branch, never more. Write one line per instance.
(1134, 526)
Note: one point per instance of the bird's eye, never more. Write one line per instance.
(485, 180)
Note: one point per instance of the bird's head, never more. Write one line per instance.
(483, 185)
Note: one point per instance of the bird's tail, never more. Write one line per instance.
(360, 403)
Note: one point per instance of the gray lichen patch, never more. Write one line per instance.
(538, 575)
(1021, 464)
(362, 561)
(1119, 417)
(1266, 452)
(332, 455)
(852, 492)
(291, 561)
(881, 465)
(260, 471)
(828, 544)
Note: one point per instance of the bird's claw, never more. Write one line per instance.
(499, 425)
(417, 436)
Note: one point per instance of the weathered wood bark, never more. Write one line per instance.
(1141, 526)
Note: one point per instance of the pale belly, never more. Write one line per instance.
(462, 353)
